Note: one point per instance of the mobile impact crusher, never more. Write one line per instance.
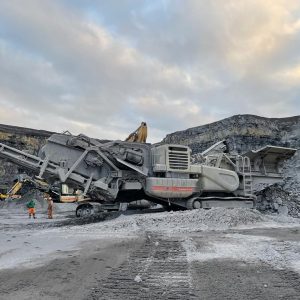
(114, 172)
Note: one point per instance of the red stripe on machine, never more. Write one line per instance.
(172, 188)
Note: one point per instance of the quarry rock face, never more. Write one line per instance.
(242, 133)
(21, 138)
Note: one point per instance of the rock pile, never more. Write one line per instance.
(172, 223)
(285, 197)
(185, 221)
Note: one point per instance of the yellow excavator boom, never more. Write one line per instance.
(16, 187)
(139, 135)
(13, 191)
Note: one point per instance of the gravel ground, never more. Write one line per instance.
(200, 254)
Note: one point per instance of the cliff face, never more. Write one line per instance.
(21, 138)
(242, 132)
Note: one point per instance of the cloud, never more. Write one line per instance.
(289, 76)
(103, 67)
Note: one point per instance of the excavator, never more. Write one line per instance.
(22, 184)
(119, 172)
(15, 191)
(139, 135)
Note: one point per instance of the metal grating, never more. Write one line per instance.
(179, 159)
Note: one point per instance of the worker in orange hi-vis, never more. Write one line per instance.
(50, 206)
(31, 208)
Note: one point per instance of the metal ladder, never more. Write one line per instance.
(247, 176)
(243, 167)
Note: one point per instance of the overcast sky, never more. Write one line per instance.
(102, 67)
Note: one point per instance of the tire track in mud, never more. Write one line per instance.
(157, 270)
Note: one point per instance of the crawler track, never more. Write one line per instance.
(158, 270)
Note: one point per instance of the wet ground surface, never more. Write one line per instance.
(281, 234)
(251, 263)
(231, 279)
(18, 220)
(147, 268)
(158, 269)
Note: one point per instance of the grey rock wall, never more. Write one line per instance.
(242, 132)
(21, 138)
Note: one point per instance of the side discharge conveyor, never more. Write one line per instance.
(121, 172)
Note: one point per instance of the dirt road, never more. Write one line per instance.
(236, 263)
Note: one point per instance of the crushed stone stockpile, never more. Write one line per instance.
(181, 221)
(283, 197)
(277, 198)
(292, 184)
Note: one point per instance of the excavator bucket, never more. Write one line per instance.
(139, 135)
